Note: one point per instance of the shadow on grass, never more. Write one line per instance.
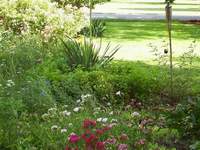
(140, 30)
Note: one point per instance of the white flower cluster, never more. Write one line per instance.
(41, 16)
(10, 83)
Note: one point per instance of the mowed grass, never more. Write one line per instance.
(128, 30)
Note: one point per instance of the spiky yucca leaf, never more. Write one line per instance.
(86, 54)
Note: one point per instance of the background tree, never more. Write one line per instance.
(79, 3)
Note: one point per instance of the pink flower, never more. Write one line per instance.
(100, 146)
(111, 141)
(74, 138)
(122, 147)
(141, 142)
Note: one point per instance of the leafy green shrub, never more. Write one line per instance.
(42, 17)
(185, 118)
(86, 54)
(98, 27)
(17, 55)
(9, 114)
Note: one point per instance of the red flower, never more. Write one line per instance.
(89, 123)
(89, 137)
(107, 128)
(67, 148)
(74, 138)
(99, 131)
(100, 146)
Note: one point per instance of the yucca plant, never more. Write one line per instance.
(98, 27)
(86, 54)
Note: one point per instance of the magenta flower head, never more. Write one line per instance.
(100, 146)
(73, 138)
(122, 147)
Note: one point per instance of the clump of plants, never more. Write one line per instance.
(86, 54)
(98, 27)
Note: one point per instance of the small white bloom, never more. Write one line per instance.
(54, 127)
(114, 120)
(70, 124)
(63, 130)
(65, 106)
(77, 109)
(99, 119)
(111, 113)
(66, 113)
(52, 110)
(118, 93)
(109, 104)
(45, 116)
(104, 120)
(135, 114)
(78, 101)
(83, 97)
(97, 108)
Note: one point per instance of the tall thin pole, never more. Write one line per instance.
(90, 7)
(168, 10)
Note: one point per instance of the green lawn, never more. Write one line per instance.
(123, 30)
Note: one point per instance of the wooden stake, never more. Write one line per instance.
(168, 10)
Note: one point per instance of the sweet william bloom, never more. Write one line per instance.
(99, 131)
(111, 141)
(89, 137)
(100, 146)
(141, 142)
(89, 123)
(74, 138)
(122, 147)
(107, 128)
